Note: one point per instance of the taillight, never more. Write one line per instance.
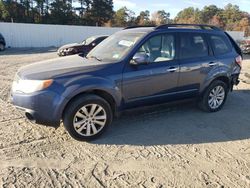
(238, 60)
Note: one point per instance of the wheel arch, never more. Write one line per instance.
(223, 78)
(99, 92)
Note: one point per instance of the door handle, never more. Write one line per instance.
(211, 64)
(172, 69)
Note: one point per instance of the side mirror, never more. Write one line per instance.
(140, 59)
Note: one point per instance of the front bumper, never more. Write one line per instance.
(61, 53)
(65, 53)
(43, 107)
(235, 79)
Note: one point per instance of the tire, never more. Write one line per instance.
(77, 118)
(206, 102)
(2, 47)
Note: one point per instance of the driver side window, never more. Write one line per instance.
(159, 48)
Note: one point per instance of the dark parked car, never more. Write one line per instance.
(245, 47)
(80, 48)
(2, 42)
(131, 68)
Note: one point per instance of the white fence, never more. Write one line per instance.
(237, 35)
(41, 35)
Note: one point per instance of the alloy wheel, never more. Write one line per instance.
(216, 97)
(89, 120)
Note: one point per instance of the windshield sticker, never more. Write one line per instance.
(126, 43)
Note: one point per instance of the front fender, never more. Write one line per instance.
(77, 86)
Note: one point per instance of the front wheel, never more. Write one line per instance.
(214, 97)
(87, 117)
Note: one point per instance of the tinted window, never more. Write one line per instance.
(192, 46)
(220, 44)
(159, 48)
(98, 40)
(88, 40)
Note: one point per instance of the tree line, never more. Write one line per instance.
(65, 12)
(101, 13)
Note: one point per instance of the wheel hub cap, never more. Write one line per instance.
(216, 97)
(89, 120)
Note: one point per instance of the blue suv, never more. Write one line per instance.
(134, 67)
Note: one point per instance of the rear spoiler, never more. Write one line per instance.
(235, 45)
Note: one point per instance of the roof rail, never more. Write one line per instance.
(138, 26)
(201, 26)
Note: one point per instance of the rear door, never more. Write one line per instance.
(225, 53)
(196, 59)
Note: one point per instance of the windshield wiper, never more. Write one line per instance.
(94, 57)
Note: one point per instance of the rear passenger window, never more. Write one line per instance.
(220, 45)
(192, 46)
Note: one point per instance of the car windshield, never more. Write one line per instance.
(115, 47)
(88, 40)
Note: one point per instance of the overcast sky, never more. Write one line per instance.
(174, 6)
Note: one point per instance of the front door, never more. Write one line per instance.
(158, 78)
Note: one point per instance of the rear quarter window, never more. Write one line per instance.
(220, 44)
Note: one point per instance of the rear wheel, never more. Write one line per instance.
(87, 117)
(214, 97)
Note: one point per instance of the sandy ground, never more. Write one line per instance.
(174, 145)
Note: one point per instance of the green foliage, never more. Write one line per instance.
(90, 12)
(189, 16)
(60, 13)
(160, 17)
(209, 12)
(123, 17)
(144, 18)
(101, 11)
(4, 13)
(229, 18)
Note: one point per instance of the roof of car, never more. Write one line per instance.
(186, 27)
(138, 30)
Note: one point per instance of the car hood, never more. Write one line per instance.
(57, 67)
(71, 46)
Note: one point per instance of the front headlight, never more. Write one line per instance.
(30, 86)
(68, 49)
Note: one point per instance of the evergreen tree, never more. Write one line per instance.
(100, 12)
